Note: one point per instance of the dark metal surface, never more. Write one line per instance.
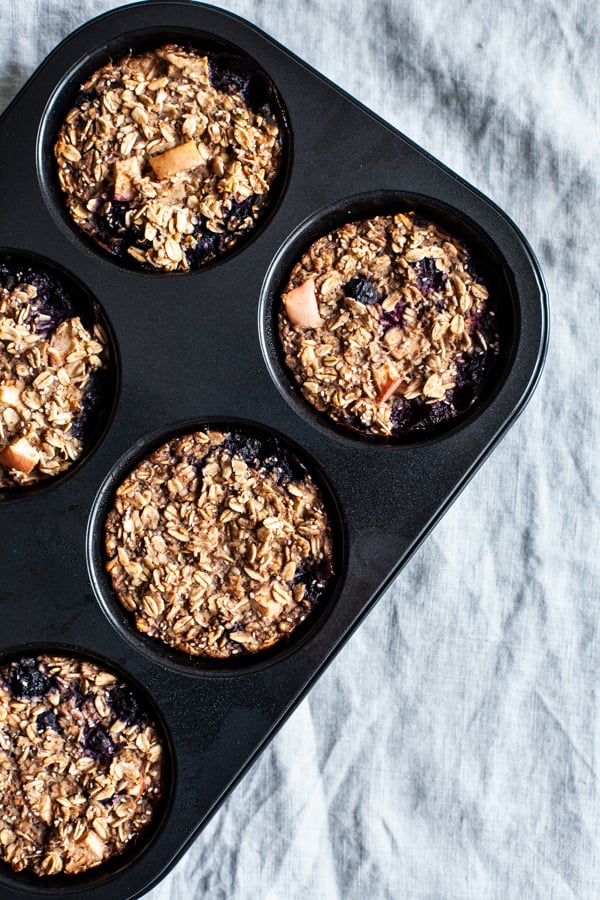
(200, 347)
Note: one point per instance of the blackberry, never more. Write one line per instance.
(265, 453)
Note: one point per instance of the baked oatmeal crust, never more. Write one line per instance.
(165, 158)
(402, 323)
(219, 544)
(45, 373)
(80, 765)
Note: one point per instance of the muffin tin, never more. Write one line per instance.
(200, 348)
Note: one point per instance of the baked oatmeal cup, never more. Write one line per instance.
(52, 370)
(80, 765)
(388, 326)
(170, 157)
(219, 543)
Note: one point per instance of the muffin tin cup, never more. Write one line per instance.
(197, 348)
(75, 885)
(385, 203)
(158, 650)
(86, 307)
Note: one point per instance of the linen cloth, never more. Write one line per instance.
(451, 750)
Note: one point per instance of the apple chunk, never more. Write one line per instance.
(20, 455)
(388, 380)
(126, 172)
(301, 305)
(177, 159)
(9, 394)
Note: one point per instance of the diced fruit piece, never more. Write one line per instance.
(20, 455)
(388, 380)
(94, 844)
(126, 172)
(178, 159)
(301, 305)
(268, 606)
(9, 394)
(392, 388)
(393, 337)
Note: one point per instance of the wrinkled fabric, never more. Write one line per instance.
(450, 750)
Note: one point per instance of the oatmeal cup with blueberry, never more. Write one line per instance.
(81, 765)
(219, 543)
(388, 326)
(52, 377)
(170, 157)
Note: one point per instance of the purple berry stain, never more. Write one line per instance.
(48, 720)
(394, 318)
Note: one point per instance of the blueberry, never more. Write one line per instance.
(94, 401)
(124, 705)
(207, 245)
(84, 97)
(315, 578)
(48, 719)
(266, 453)
(115, 216)
(51, 306)
(485, 324)
(239, 212)
(98, 744)
(430, 279)
(26, 681)
(226, 74)
(224, 79)
(361, 289)
(402, 414)
(472, 369)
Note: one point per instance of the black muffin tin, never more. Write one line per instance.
(200, 348)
